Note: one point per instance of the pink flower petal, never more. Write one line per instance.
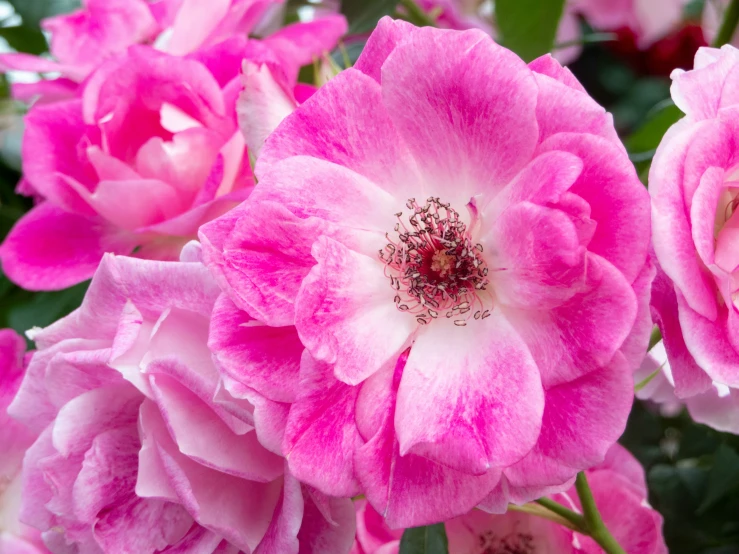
(477, 421)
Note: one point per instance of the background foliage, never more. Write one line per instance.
(693, 471)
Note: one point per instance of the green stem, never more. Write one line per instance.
(535, 509)
(573, 517)
(728, 25)
(593, 522)
(416, 14)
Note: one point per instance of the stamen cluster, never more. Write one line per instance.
(433, 265)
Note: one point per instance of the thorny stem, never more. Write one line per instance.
(728, 25)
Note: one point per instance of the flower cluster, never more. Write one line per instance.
(419, 293)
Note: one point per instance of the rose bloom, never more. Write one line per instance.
(619, 488)
(459, 241)
(141, 450)
(149, 152)
(693, 187)
(15, 438)
(82, 40)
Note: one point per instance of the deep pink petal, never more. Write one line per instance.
(576, 431)
(322, 435)
(264, 358)
(608, 180)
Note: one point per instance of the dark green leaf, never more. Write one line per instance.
(528, 27)
(723, 479)
(349, 53)
(425, 540)
(22, 310)
(33, 11)
(25, 38)
(363, 15)
(644, 141)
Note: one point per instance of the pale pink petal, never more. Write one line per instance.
(535, 256)
(345, 314)
(237, 509)
(386, 36)
(282, 534)
(480, 532)
(709, 343)
(689, 378)
(580, 335)
(262, 105)
(411, 490)
(721, 412)
(347, 124)
(478, 420)
(202, 436)
(458, 117)
(547, 65)
(672, 238)
(319, 536)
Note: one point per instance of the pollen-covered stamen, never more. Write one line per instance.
(433, 265)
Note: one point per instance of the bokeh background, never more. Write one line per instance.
(693, 471)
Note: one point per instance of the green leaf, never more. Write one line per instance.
(723, 478)
(425, 540)
(645, 140)
(33, 11)
(528, 27)
(363, 15)
(25, 38)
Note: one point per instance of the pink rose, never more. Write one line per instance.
(693, 187)
(140, 449)
(149, 152)
(15, 438)
(618, 486)
(459, 241)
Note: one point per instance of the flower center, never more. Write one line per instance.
(434, 266)
(514, 543)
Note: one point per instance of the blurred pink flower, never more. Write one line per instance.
(713, 14)
(694, 189)
(150, 151)
(649, 20)
(15, 438)
(103, 29)
(449, 231)
(618, 486)
(141, 449)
